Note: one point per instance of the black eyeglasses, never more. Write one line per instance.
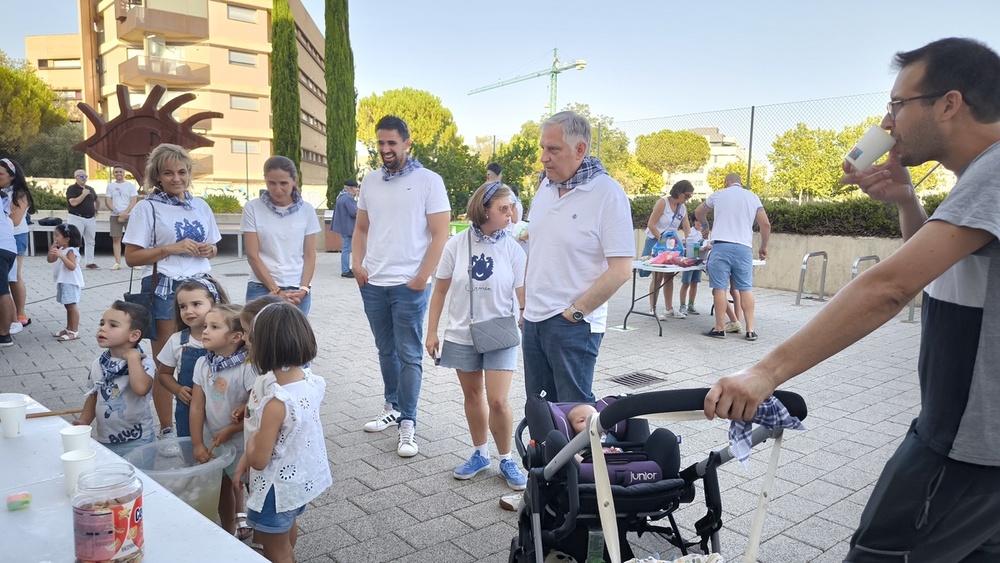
(892, 108)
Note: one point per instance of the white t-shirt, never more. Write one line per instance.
(571, 238)
(62, 274)
(7, 227)
(669, 220)
(121, 195)
(170, 354)
(224, 391)
(514, 229)
(398, 234)
(282, 239)
(498, 271)
(735, 211)
(121, 415)
(173, 223)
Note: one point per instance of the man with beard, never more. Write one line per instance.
(399, 233)
(938, 496)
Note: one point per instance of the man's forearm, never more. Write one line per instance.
(912, 216)
(606, 285)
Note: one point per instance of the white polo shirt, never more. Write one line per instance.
(735, 210)
(571, 239)
(398, 233)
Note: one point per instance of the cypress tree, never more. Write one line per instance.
(285, 103)
(341, 99)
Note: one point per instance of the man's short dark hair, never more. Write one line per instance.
(495, 168)
(393, 123)
(962, 64)
(138, 316)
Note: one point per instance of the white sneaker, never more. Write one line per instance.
(734, 326)
(15, 327)
(511, 502)
(407, 441)
(683, 310)
(117, 266)
(672, 314)
(385, 419)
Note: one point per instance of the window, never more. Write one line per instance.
(311, 121)
(241, 14)
(310, 156)
(243, 102)
(59, 63)
(240, 146)
(242, 58)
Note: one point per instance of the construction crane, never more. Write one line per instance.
(578, 64)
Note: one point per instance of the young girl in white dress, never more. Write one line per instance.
(68, 275)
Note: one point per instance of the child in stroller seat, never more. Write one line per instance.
(578, 417)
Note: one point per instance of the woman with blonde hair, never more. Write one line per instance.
(177, 232)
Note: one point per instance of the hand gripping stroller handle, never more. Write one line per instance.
(680, 400)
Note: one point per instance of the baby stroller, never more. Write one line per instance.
(641, 487)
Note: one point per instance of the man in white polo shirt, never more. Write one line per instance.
(120, 198)
(736, 209)
(399, 233)
(582, 246)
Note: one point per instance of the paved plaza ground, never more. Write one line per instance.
(386, 508)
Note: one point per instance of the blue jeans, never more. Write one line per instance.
(345, 254)
(255, 290)
(559, 358)
(396, 316)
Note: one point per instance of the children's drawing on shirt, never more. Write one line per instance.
(193, 230)
(112, 396)
(218, 393)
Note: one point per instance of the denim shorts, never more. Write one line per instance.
(691, 276)
(271, 522)
(67, 293)
(464, 357)
(163, 307)
(729, 259)
(22, 243)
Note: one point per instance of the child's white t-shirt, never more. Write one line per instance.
(224, 391)
(62, 274)
(170, 355)
(257, 392)
(120, 415)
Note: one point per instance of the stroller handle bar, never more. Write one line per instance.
(679, 400)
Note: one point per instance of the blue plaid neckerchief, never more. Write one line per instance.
(218, 363)
(770, 414)
(589, 169)
(295, 206)
(165, 285)
(481, 236)
(164, 197)
(111, 369)
(411, 165)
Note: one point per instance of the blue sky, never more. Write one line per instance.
(644, 58)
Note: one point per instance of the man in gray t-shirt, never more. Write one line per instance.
(938, 497)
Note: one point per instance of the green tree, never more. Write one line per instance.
(286, 112)
(461, 170)
(341, 99)
(27, 105)
(431, 124)
(636, 179)
(807, 163)
(52, 154)
(758, 178)
(672, 151)
(519, 159)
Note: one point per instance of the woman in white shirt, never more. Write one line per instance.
(493, 272)
(669, 214)
(279, 234)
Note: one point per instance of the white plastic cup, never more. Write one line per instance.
(12, 415)
(875, 143)
(75, 438)
(76, 463)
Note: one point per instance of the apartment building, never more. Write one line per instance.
(219, 50)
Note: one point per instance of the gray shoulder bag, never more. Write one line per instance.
(491, 334)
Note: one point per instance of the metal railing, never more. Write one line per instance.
(822, 276)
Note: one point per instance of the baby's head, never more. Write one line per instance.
(578, 416)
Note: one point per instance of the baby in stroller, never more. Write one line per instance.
(578, 417)
(560, 510)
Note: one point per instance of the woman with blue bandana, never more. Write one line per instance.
(491, 267)
(279, 231)
(176, 231)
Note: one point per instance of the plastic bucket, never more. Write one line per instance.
(171, 463)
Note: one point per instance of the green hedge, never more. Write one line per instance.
(223, 204)
(44, 199)
(861, 217)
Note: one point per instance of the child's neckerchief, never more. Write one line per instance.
(164, 197)
(218, 363)
(295, 206)
(110, 368)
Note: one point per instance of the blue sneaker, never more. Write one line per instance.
(471, 468)
(512, 474)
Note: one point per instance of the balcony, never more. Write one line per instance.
(137, 71)
(175, 20)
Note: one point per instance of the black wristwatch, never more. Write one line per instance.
(577, 314)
